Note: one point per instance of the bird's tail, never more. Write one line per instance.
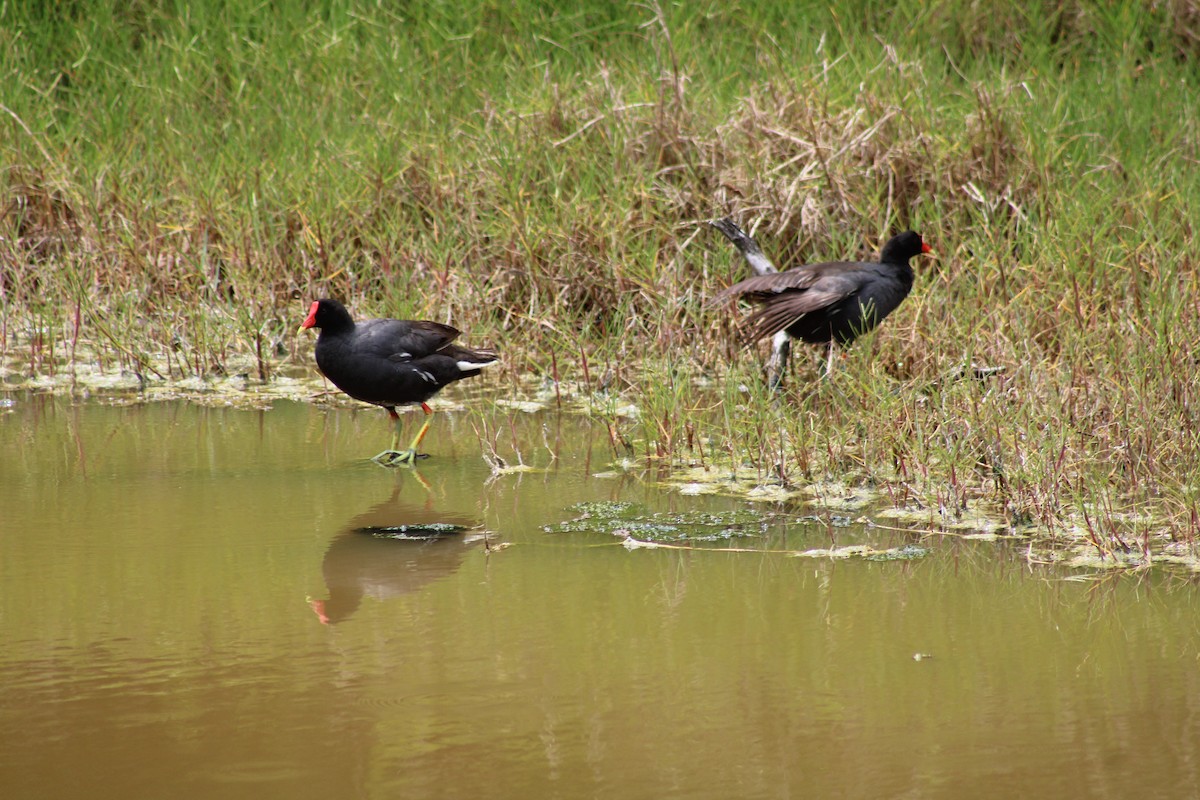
(472, 360)
(759, 263)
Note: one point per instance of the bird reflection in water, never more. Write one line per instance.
(395, 548)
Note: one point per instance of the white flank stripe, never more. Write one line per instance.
(463, 366)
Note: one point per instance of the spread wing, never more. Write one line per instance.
(783, 310)
(784, 298)
(762, 287)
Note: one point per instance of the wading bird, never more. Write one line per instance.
(836, 301)
(391, 362)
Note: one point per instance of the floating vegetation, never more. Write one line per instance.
(749, 483)
(528, 406)
(423, 530)
(979, 521)
(907, 552)
(639, 529)
(631, 521)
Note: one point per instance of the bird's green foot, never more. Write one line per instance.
(398, 458)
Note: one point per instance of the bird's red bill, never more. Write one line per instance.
(925, 248)
(311, 319)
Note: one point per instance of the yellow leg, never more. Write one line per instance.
(396, 457)
(424, 428)
(399, 425)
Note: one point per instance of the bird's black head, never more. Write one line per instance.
(327, 314)
(903, 246)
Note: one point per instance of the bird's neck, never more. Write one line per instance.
(339, 326)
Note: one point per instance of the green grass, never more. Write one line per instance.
(180, 182)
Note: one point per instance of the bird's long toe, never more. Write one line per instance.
(398, 458)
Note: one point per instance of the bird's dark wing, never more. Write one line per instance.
(403, 340)
(782, 310)
(785, 297)
(763, 286)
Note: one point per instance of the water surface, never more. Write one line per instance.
(203, 602)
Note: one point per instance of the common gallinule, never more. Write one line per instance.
(837, 301)
(391, 362)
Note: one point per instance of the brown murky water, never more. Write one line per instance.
(200, 602)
